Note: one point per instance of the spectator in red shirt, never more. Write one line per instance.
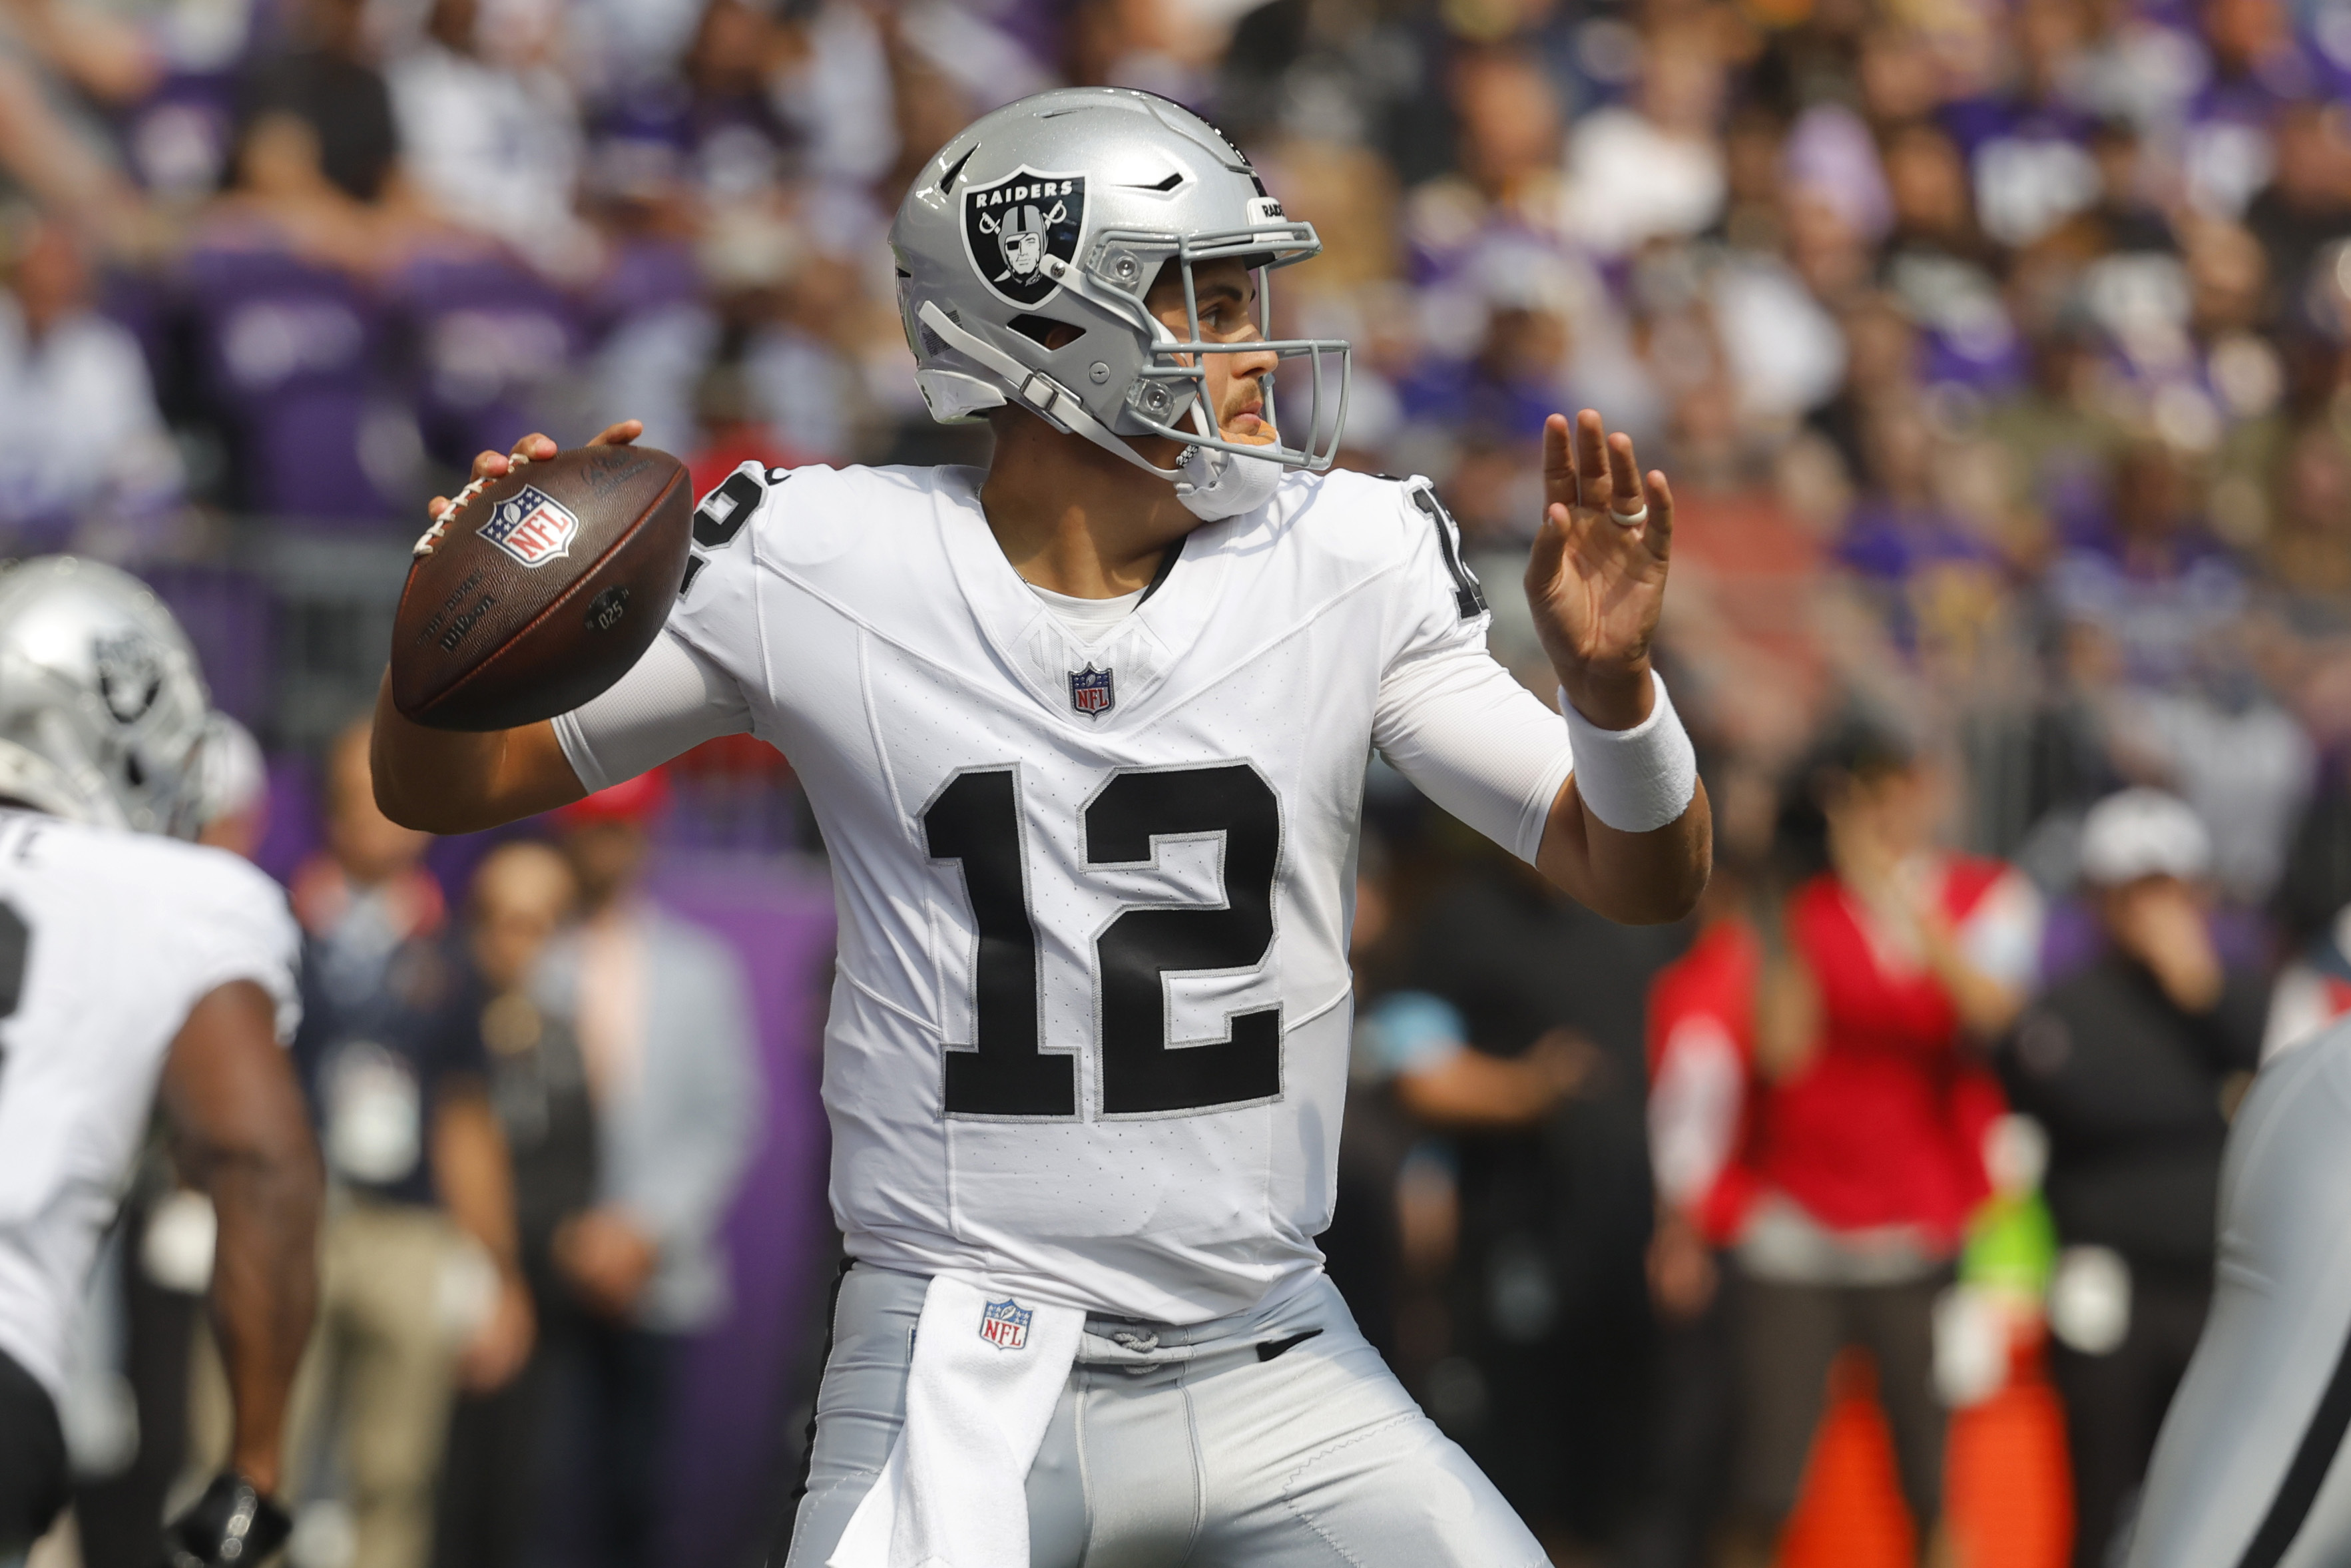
(1701, 1056)
(1886, 970)
(1701, 1046)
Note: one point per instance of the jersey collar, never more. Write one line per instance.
(1039, 649)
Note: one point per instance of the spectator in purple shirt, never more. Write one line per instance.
(1923, 564)
(2152, 584)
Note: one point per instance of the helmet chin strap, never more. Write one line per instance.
(1232, 483)
(1048, 398)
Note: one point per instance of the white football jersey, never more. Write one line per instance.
(108, 939)
(1090, 1023)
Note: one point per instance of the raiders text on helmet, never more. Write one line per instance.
(1062, 210)
(102, 710)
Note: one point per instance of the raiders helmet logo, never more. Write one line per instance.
(130, 675)
(1011, 226)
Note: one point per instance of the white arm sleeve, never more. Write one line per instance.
(1475, 741)
(1694, 1108)
(670, 702)
(245, 932)
(2001, 935)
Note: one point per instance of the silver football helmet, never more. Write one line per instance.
(103, 708)
(1062, 209)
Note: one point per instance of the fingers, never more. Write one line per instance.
(1557, 461)
(538, 447)
(1550, 552)
(535, 447)
(488, 465)
(1624, 476)
(1583, 463)
(1657, 533)
(1557, 469)
(1590, 456)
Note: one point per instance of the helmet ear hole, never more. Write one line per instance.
(1045, 332)
(134, 772)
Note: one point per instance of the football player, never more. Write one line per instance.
(1085, 735)
(2248, 1469)
(134, 968)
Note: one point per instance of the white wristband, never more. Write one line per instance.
(1635, 780)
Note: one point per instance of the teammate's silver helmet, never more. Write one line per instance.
(1062, 209)
(102, 705)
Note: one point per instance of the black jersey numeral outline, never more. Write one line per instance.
(16, 951)
(975, 821)
(2305, 1473)
(1469, 596)
(724, 511)
(718, 517)
(1143, 1073)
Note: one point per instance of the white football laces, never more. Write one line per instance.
(431, 538)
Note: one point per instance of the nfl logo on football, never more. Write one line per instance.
(532, 526)
(1005, 1326)
(1090, 692)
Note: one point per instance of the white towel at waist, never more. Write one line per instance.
(980, 1390)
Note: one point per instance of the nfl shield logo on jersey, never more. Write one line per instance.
(1091, 692)
(1004, 1324)
(532, 526)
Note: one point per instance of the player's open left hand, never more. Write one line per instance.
(1596, 579)
(534, 448)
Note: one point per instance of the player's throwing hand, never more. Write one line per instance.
(534, 448)
(1596, 579)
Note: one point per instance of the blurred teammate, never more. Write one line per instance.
(2248, 1469)
(232, 789)
(130, 966)
(1086, 737)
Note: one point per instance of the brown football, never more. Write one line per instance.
(536, 591)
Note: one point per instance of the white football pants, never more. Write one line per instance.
(1275, 1438)
(2249, 1471)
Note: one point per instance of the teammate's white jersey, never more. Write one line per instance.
(108, 939)
(1090, 1024)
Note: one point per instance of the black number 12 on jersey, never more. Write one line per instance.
(976, 821)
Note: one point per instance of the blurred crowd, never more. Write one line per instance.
(534, 1101)
(2000, 351)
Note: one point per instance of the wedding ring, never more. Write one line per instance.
(1631, 520)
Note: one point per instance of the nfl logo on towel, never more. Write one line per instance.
(532, 526)
(1004, 1324)
(1090, 692)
